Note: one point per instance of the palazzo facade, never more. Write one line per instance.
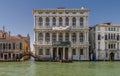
(13, 47)
(61, 34)
(105, 41)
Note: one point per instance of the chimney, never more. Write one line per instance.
(9, 33)
(3, 29)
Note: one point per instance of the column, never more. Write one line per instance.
(70, 37)
(50, 21)
(84, 18)
(50, 37)
(44, 50)
(57, 37)
(63, 53)
(77, 22)
(63, 36)
(44, 38)
(11, 56)
(84, 36)
(57, 21)
(87, 36)
(51, 53)
(63, 18)
(70, 54)
(77, 37)
(43, 21)
(70, 21)
(57, 52)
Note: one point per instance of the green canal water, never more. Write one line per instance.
(31, 68)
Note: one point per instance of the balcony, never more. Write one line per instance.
(61, 43)
(42, 27)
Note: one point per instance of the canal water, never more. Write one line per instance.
(31, 68)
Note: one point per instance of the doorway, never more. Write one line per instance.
(60, 53)
(111, 56)
(66, 53)
(54, 53)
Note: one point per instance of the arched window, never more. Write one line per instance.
(99, 37)
(60, 37)
(66, 36)
(47, 21)
(54, 37)
(66, 21)
(47, 37)
(117, 37)
(109, 36)
(105, 36)
(40, 37)
(40, 22)
(81, 21)
(81, 37)
(9, 46)
(73, 37)
(74, 21)
(114, 36)
(60, 21)
(20, 46)
(54, 21)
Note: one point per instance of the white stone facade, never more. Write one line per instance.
(61, 34)
(105, 41)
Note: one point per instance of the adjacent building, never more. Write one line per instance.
(13, 47)
(61, 34)
(105, 41)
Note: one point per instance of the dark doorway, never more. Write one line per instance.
(111, 56)
(54, 53)
(66, 53)
(60, 52)
(5, 56)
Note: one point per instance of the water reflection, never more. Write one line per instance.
(31, 68)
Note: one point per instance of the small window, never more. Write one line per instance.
(67, 12)
(109, 28)
(74, 12)
(81, 13)
(40, 51)
(20, 46)
(98, 28)
(47, 51)
(73, 51)
(81, 51)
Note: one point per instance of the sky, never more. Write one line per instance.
(16, 15)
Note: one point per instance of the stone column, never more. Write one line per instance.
(77, 33)
(84, 36)
(84, 22)
(70, 21)
(70, 54)
(70, 37)
(57, 37)
(77, 22)
(57, 21)
(43, 21)
(57, 52)
(44, 51)
(63, 53)
(11, 56)
(51, 53)
(63, 21)
(50, 21)
(50, 37)
(63, 36)
(87, 36)
(44, 38)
